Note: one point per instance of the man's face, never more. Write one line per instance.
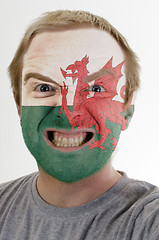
(71, 116)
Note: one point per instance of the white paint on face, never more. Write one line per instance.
(50, 51)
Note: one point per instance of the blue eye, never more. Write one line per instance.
(97, 88)
(44, 88)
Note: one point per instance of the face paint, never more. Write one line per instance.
(73, 141)
(97, 121)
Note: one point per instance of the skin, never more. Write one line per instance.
(48, 52)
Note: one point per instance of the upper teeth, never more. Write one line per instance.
(61, 141)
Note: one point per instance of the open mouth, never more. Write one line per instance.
(68, 141)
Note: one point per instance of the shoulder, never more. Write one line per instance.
(146, 210)
(146, 194)
(139, 196)
(140, 191)
(147, 222)
(10, 189)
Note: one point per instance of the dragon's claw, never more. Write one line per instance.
(97, 144)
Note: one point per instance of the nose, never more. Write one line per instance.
(64, 95)
(70, 95)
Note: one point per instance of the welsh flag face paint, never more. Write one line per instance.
(71, 125)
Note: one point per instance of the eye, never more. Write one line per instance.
(44, 88)
(96, 88)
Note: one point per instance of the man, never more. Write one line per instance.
(73, 78)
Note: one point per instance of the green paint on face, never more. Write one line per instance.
(65, 166)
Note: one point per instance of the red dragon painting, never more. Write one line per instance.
(94, 111)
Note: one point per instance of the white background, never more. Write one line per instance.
(138, 21)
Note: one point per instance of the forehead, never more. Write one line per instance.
(65, 47)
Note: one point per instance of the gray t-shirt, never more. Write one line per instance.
(129, 210)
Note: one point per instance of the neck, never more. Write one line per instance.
(62, 194)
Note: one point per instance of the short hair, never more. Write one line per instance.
(64, 20)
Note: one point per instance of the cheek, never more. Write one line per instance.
(53, 101)
(96, 112)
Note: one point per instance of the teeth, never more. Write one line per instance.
(81, 139)
(55, 137)
(68, 142)
(64, 141)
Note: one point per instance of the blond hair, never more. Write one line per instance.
(64, 19)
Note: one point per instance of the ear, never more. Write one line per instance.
(129, 113)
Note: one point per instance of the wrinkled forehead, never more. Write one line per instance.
(65, 47)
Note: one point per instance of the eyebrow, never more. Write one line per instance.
(98, 74)
(88, 78)
(39, 77)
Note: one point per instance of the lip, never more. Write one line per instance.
(71, 132)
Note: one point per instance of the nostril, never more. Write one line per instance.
(75, 116)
